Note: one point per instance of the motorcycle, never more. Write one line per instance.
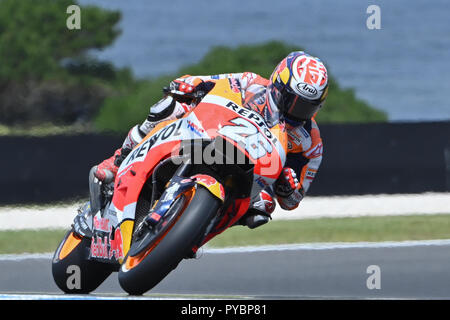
(188, 180)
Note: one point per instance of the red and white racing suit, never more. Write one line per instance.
(304, 141)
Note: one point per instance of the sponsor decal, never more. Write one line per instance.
(99, 247)
(101, 224)
(195, 128)
(171, 191)
(305, 133)
(206, 180)
(141, 152)
(299, 136)
(316, 151)
(310, 174)
(261, 182)
(243, 135)
(294, 136)
(253, 116)
(211, 184)
(307, 89)
(246, 113)
(107, 247)
(235, 85)
(156, 217)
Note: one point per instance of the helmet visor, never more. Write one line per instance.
(293, 106)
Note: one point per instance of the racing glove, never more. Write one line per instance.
(184, 85)
(288, 190)
(190, 87)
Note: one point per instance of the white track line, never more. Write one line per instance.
(34, 296)
(25, 256)
(329, 246)
(280, 247)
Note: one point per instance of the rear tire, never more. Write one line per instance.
(74, 273)
(176, 244)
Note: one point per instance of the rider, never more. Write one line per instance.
(296, 89)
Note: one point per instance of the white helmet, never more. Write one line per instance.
(298, 86)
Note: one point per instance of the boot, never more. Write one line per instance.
(259, 212)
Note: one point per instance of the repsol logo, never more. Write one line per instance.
(141, 151)
(307, 89)
(251, 115)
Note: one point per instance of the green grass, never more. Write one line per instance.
(31, 241)
(44, 130)
(395, 228)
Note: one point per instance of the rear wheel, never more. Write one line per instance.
(152, 257)
(71, 269)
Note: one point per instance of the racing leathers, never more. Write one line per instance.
(304, 142)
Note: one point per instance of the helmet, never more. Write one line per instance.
(298, 86)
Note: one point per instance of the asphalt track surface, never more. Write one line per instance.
(408, 270)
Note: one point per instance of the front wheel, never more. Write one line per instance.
(144, 269)
(72, 271)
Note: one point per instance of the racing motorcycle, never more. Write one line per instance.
(188, 180)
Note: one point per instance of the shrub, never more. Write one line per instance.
(120, 112)
(41, 78)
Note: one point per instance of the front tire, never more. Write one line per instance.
(71, 269)
(173, 247)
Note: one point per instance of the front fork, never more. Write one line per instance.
(178, 185)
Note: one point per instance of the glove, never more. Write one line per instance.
(288, 191)
(286, 183)
(184, 85)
